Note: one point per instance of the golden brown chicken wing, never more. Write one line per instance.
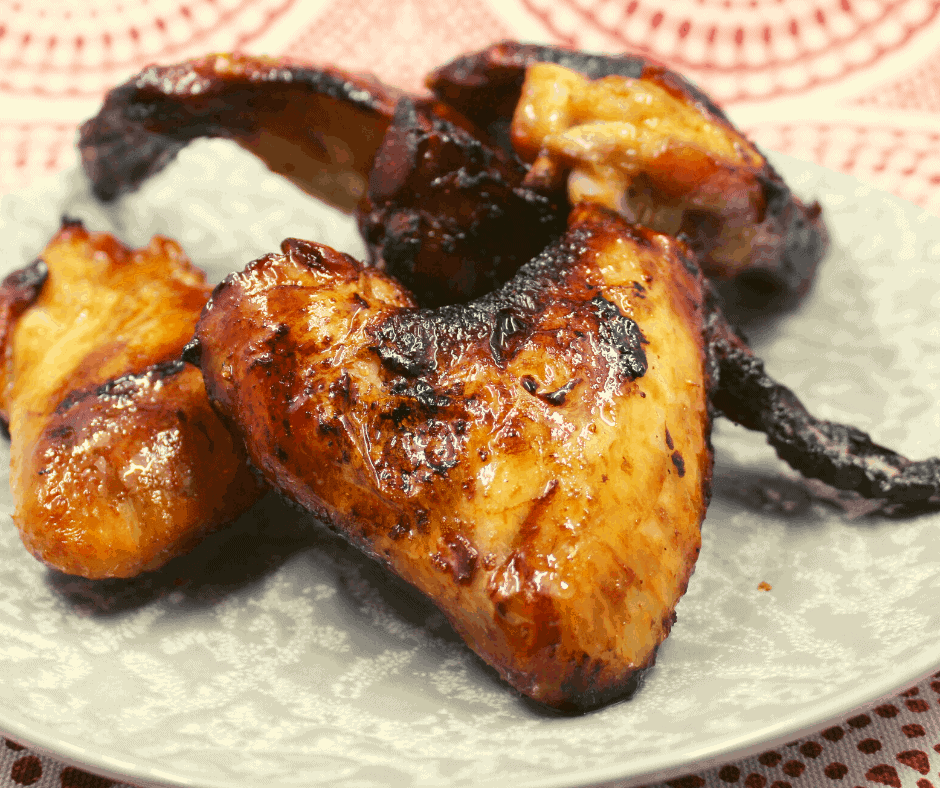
(636, 137)
(118, 462)
(537, 462)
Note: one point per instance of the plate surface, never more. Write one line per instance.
(275, 655)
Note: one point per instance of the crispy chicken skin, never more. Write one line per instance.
(118, 462)
(447, 214)
(320, 127)
(636, 137)
(537, 462)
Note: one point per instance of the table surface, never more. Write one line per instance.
(853, 85)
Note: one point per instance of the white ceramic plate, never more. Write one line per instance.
(274, 655)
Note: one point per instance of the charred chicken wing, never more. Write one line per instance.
(318, 126)
(537, 461)
(638, 138)
(621, 131)
(118, 462)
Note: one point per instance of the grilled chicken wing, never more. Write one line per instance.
(636, 137)
(118, 462)
(617, 130)
(537, 462)
(447, 214)
(320, 127)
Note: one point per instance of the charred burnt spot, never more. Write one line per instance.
(123, 387)
(589, 688)
(117, 152)
(336, 85)
(590, 65)
(457, 556)
(71, 222)
(22, 287)
(687, 256)
(508, 327)
(622, 338)
(314, 256)
(192, 352)
(397, 234)
(556, 397)
(61, 434)
(418, 395)
(669, 442)
(406, 343)
(679, 462)
(427, 449)
(805, 245)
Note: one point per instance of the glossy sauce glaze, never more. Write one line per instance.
(537, 461)
(118, 462)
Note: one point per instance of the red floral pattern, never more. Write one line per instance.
(744, 49)
(65, 49)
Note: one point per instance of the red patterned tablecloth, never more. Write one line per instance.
(853, 85)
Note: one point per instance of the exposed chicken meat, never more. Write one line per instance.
(638, 138)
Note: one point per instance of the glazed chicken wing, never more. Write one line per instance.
(118, 462)
(318, 126)
(537, 461)
(636, 137)
(621, 131)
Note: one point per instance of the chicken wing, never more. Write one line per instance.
(617, 130)
(318, 126)
(537, 461)
(636, 137)
(118, 462)
(447, 214)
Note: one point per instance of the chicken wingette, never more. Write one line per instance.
(630, 134)
(118, 462)
(537, 462)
